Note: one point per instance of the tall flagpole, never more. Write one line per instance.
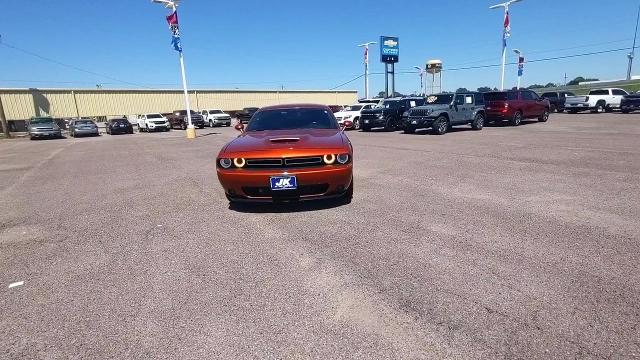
(175, 30)
(506, 32)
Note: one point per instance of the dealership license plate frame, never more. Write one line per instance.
(292, 185)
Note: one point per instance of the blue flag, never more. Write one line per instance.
(175, 41)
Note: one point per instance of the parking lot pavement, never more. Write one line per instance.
(509, 242)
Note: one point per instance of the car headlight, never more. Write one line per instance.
(342, 158)
(329, 159)
(380, 116)
(347, 117)
(225, 163)
(239, 162)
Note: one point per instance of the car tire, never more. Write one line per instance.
(624, 111)
(210, 123)
(440, 125)
(545, 116)
(183, 126)
(560, 110)
(388, 126)
(516, 120)
(553, 108)
(31, 138)
(409, 130)
(478, 122)
(356, 124)
(201, 127)
(600, 107)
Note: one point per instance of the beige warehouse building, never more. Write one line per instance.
(22, 104)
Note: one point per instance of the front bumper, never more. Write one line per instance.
(82, 132)
(164, 126)
(221, 121)
(630, 106)
(313, 183)
(417, 123)
(372, 122)
(45, 133)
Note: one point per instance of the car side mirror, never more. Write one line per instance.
(240, 127)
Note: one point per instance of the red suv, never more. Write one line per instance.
(516, 106)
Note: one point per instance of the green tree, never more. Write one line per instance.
(550, 85)
(484, 89)
(580, 79)
(462, 90)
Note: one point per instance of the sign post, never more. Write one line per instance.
(389, 55)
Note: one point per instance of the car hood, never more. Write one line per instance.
(257, 141)
(379, 110)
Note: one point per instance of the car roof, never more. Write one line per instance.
(295, 106)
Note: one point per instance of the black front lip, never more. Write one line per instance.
(420, 122)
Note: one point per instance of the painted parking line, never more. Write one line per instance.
(15, 284)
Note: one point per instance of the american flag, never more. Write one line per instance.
(507, 25)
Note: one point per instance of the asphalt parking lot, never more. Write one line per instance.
(505, 243)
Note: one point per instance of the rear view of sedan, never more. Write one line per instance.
(119, 126)
(83, 127)
(288, 153)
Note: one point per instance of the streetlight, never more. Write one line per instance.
(506, 32)
(366, 66)
(173, 23)
(520, 65)
(421, 72)
(633, 49)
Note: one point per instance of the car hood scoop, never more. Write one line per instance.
(284, 140)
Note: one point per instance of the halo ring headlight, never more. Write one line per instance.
(329, 159)
(342, 158)
(225, 163)
(239, 162)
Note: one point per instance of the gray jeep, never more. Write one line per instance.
(442, 111)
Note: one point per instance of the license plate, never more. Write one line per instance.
(284, 183)
(122, 125)
(414, 122)
(366, 121)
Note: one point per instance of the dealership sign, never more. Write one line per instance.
(389, 49)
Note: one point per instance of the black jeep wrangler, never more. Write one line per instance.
(388, 113)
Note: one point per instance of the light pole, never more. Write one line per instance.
(506, 32)
(421, 72)
(173, 23)
(520, 65)
(633, 49)
(366, 66)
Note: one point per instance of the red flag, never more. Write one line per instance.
(507, 24)
(173, 19)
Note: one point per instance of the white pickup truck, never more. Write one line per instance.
(599, 100)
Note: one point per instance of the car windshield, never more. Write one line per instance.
(353, 108)
(215, 112)
(389, 104)
(250, 109)
(41, 121)
(120, 121)
(441, 99)
(288, 119)
(154, 116)
(495, 96)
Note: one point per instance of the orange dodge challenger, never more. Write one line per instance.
(288, 153)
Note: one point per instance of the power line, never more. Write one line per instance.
(30, 53)
(348, 82)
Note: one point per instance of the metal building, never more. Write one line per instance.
(22, 104)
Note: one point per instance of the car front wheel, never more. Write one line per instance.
(478, 122)
(544, 117)
(440, 126)
(356, 124)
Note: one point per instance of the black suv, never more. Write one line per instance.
(443, 111)
(557, 99)
(246, 114)
(388, 113)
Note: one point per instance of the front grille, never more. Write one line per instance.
(285, 163)
(369, 116)
(306, 161)
(159, 122)
(264, 162)
(302, 190)
(419, 112)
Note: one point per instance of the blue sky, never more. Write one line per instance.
(257, 44)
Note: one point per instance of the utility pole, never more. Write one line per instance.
(366, 66)
(633, 49)
(173, 24)
(565, 79)
(506, 32)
